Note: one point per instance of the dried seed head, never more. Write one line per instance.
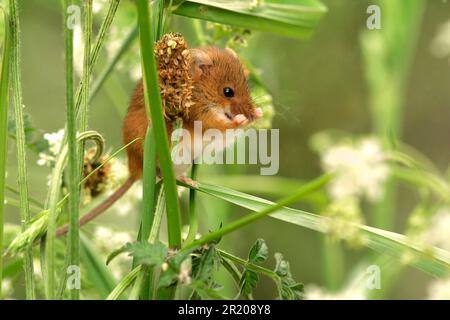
(175, 81)
(98, 181)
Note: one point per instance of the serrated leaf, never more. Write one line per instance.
(281, 266)
(288, 288)
(259, 252)
(143, 253)
(204, 266)
(249, 281)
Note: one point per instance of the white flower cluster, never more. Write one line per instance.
(439, 289)
(54, 141)
(361, 169)
(438, 232)
(108, 240)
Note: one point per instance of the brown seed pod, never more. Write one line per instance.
(175, 82)
(98, 181)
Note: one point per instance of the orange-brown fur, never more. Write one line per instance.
(213, 69)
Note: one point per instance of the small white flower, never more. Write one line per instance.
(438, 232)
(313, 292)
(109, 239)
(78, 49)
(7, 287)
(37, 268)
(136, 72)
(360, 168)
(45, 159)
(119, 171)
(54, 140)
(439, 289)
(98, 5)
(440, 46)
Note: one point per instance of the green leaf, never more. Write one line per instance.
(204, 265)
(294, 18)
(248, 282)
(259, 252)
(429, 259)
(288, 288)
(4, 106)
(143, 253)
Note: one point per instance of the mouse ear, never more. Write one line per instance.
(201, 60)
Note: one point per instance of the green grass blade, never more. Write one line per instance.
(262, 212)
(20, 141)
(73, 241)
(154, 112)
(4, 106)
(149, 178)
(429, 259)
(293, 18)
(126, 44)
(96, 270)
(124, 283)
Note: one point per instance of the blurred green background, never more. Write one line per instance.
(317, 84)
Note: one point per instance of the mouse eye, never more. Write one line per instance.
(228, 92)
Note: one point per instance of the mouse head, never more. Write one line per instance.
(220, 94)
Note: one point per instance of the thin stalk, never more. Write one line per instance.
(126, 44)
(4, 105)
(55, 205)
(154, 112)
(144, 283)
(149, 177)
(21, 143)
(73, 241)
(193, 218)
(86, 68)
(93, 59)
(308, 188)
(248, 265)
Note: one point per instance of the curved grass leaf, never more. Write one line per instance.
(4, 105)
(429, 259)
(294, 18)
(96, 270)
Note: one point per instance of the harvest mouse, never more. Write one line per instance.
(221, 100)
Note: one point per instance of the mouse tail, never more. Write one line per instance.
(101, 207)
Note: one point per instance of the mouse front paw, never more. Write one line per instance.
(258, 113)
(240, 120)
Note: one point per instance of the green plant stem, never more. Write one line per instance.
(248, 265)
(86, 70)
(193, 218)
(126, 44)
(144, 283)
(149, 177)
(4, 106)
(54, 207)
(301, 192)
(21, 144)
(154, 112)
(124, 283)
(73, 241)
